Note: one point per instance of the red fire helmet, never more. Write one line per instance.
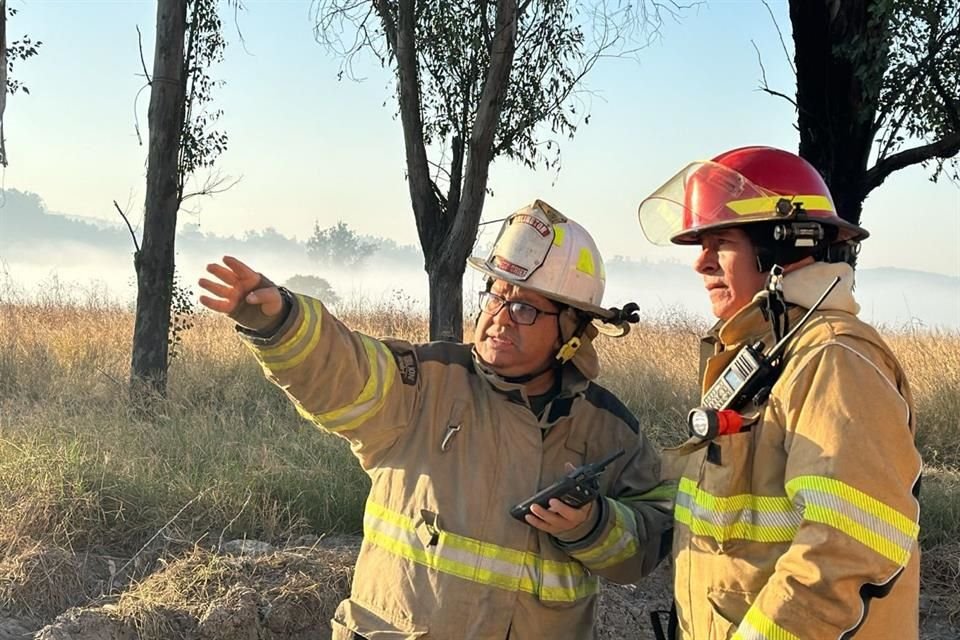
(741, 186)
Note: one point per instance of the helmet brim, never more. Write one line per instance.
(846, 230)
(593, 310)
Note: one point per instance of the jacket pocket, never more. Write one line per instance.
(354, 616)
(727, 609)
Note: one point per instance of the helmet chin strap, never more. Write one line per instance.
(774, 305)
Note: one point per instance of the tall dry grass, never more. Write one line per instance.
(229, 457)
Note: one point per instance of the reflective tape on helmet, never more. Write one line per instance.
(585, 262)
(558, 235)
(768, 204)
(477, 560)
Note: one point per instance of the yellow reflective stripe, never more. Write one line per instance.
(558, 235)
(758, 626)
(768, 204)
(726, 504)
(478, 561)
(619, 544)
(860, 516)
(856, 497)
(294, 351)
(380, 378)
(585, 262)
(741, 530)
(745, 516)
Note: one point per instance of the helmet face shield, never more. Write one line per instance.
(703, 195)
(741, 186)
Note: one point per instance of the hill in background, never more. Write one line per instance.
(39, 247)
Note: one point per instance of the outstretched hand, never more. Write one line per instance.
(243, 294)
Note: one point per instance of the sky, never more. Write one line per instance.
(309, 148)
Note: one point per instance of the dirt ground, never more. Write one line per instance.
(251, 591)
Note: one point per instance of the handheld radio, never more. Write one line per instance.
(748, 377)
(576, 489)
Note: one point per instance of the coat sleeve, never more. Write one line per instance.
(343, 381)
(851, 472)
(632, 532)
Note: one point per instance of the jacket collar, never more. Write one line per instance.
(801, 288)
(572, 382)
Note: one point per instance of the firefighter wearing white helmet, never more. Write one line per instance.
(454, 436)
(541, 251)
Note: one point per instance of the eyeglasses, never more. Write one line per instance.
(520, 312)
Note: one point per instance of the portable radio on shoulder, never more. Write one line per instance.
(748, 378)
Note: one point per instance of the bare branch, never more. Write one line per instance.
(946, 147)
(215, 183)
(764, 86)
(143, 62)
(237, 8)
(136, 98)
(783, 45)
(136, 246)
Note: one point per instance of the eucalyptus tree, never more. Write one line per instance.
(182, 141)
(478, 80)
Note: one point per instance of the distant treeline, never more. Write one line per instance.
(24, 218)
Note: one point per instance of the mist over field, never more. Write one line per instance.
(42, 251)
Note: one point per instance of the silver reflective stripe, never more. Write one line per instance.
(863, 518)
(727, 519)
(478, 561)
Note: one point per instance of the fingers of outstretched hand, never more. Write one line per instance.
(244, 272)
(216, 304)
(221, 290)
(223, 273)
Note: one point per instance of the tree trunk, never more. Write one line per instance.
(836, 108)
(155, 261)
(446, 302)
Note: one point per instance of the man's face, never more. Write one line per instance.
(513, 349)
(728, 264)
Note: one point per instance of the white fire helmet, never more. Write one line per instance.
(542, 250)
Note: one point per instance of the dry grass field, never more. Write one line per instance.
(100, 500)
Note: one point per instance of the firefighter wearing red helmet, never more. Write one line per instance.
(803, 522)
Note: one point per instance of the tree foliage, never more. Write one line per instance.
(919, 92)
(878, 90)
(478, 80)
(339, 246)
(201, 144)
(22, 49)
